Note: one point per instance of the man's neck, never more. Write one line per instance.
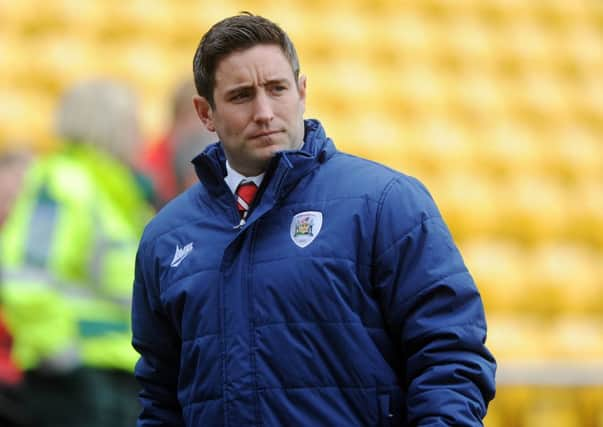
(234, 178)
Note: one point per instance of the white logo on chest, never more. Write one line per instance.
(304, 228)
(181, 253)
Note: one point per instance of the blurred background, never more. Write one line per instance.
(497, 105)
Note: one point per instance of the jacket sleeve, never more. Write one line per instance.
(159, 348)
(433, 309)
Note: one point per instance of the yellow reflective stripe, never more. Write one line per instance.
(73, 291)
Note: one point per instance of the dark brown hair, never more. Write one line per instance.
(232, 34)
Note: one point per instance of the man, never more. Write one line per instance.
(334, 296)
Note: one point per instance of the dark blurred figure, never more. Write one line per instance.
(158, 159)
(12, 410)
(66, 254)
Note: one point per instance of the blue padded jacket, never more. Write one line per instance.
(342, 301)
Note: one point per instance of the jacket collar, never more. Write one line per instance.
(284, 171)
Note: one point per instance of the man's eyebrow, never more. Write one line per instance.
(239, 88)
(247, 86)
(277, 81)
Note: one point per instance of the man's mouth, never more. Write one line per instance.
(265, 133)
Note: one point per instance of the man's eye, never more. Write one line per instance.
(278, 90)
(239, 96)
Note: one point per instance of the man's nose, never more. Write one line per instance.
(263, 112)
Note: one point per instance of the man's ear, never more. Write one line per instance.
(204, 111)
(301, 87)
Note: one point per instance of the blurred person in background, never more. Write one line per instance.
(158, 157)
(297, 285)
(66, 253)
(13, 165)
(188, 146)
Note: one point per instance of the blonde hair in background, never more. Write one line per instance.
(103, 113)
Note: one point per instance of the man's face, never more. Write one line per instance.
(258, 107)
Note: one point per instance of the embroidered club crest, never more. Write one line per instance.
(305, 226)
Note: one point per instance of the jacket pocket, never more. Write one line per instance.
(385, 415)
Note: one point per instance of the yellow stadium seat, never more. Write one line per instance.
(477, 96)
(508, 406)
(512, 9)
(574, 152)
(417, 88)
(562, 14)
(144, 65)
(469, 203)
(345, 36)
(468, 38)
(588, 102)
(29, 15)
(125, 21)
(582, 44)
(494, 418)
(539, 97)
(14, 59)
(358, 135)
(517, 339)
(553, 408)
(409, 35)
(532, 208)
(440, 145)
(185, 22)
(524, 40)
(59, 61)
(506, 148)
(586, 207)
(344, 87)
(568, 278)
(73, 17)
(26, 116)
(578, 338)
(498, 267)
(16, 14)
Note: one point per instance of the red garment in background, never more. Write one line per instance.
(157, 163)
(10, 374)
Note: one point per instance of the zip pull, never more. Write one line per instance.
(242, 222)
(239, 225)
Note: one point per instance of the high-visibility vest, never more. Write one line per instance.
(67, 255)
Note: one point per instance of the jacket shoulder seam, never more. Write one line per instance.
(404, 235)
